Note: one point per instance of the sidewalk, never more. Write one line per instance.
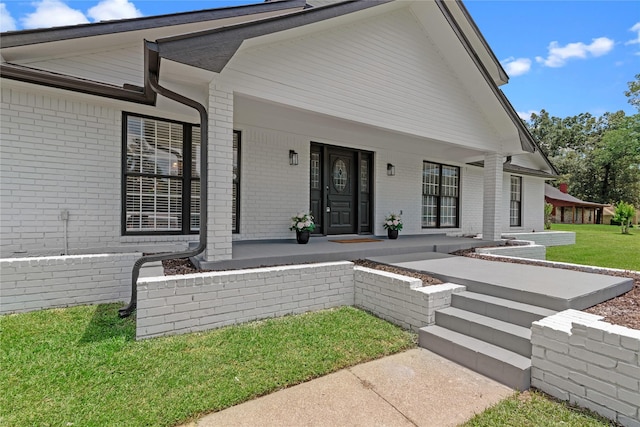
(414, 388)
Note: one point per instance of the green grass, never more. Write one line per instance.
(81, 366)
(534, 409)
(600, 245)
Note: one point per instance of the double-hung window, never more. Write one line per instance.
(515, 202)
(161, 182)
(440, 195)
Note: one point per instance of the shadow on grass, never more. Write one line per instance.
(106, 325)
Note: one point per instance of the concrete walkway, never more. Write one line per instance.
(552, 288)
(414, 388)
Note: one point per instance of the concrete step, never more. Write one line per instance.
(497, 363)
(498, 308)
(511, 337)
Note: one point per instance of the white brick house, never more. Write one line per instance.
(94, 160)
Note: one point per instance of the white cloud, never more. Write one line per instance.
(526, 115)
(7, 23)
(558, 55)
(53, 13)
(516, 67)
(636, 29)
(113, 9)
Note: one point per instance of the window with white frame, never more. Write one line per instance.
(161, 182)
(515, 204)
(440, 195)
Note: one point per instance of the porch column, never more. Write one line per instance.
(492, 206)
(220, 172)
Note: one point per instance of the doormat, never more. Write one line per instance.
(356, 241)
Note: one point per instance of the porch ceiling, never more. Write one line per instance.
(331, 130)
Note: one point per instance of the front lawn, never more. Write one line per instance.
(535, 409)
(82, 367)
(599, 245)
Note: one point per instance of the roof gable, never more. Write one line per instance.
(195, 49)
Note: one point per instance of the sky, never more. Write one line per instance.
(565, 56)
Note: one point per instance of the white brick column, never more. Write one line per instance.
(492, 207)
(220, 172)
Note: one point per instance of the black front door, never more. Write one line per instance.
(340, 190)
(341, 200)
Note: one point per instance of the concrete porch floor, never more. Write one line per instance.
(256, 253)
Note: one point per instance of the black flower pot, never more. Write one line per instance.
(392, 234)
(302, 237)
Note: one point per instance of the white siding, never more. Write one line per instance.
(383, 71)
(114, 66)
(63, 153)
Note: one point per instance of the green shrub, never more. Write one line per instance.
(624, 213)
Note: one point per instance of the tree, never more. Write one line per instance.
(548, 210)
(617, 159)
(634, 92)
(624, 213)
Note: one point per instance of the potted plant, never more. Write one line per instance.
(303, 225)
(393, 224)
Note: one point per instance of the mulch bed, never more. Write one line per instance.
(623, 310)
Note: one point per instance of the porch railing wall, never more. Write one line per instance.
(48, 282)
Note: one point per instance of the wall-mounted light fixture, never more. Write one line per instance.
(293, 158)
(391, 170)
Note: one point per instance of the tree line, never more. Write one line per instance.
(598, 157)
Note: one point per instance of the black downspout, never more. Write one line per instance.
(204, 127)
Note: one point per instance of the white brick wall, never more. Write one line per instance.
(62, 152)
(530, 251)
(38, 283)
(472, 200)
(545, 238)
(197, 302)
(493, 209)
(220, 172)
(268, 183)
(579, 358)
(400, 299)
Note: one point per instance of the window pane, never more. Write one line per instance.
(315, 171)
(429, 211)
(195, 205)
(153, 204)
(448, 211)
(195, 152)
(515, 212)
(449, 181)
(430, 178)
(154, 147)
(364, 176)
(235, 202)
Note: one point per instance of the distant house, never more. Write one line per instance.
(571, 210)
(609, 214)
(350, 109)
